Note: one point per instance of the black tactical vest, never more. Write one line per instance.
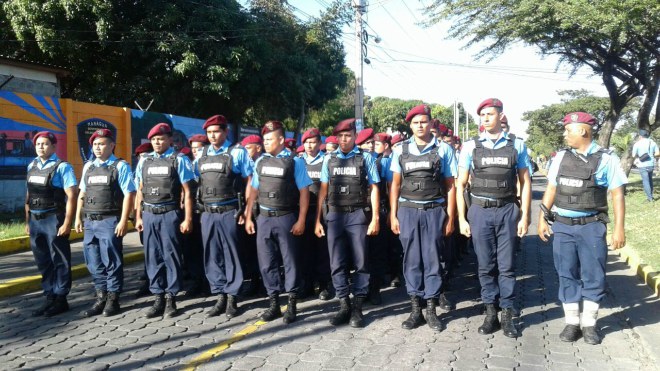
(277, 184)
(576, 183)
(160, 180)
(494, 171)
(103, 194)
(217, 181)
(43, 195)
(421, 176)
(348, 181)
(314, 172)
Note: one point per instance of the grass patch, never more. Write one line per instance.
(642, 221)
(12, 225)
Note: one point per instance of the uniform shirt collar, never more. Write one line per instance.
(52, 158)
(433, 142)
(110, 160)
(283, 153)
(223, 148)
(167, 153)
(309, 159)
(593, 147)
(355, 150)
(503, 135)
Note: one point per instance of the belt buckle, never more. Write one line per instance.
(272, 212)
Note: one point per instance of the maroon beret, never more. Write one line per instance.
(490, 102)
(215, 120)
(382, 137)
(251, 139)
(45, 134)
(159, 129)
(144, 147)
(579, 118)
(101, 133)
(186, 151)
(442, 129)
(290, 143)
(311, 133)
(422, 109)
(300, 149)
(450, 132)
(331, 139)
(345, 125)
(397, 138)
(457, 139)
(198, 138)
(271, 126)
(322, 148)
(364, 136)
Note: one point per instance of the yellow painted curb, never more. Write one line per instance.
(645, 272)
(33, 283)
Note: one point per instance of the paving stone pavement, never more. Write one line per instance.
(630, 321)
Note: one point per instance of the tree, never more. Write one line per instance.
(617, 39)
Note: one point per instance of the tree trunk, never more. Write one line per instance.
(301, 119)
(627, 158)
(605, 132)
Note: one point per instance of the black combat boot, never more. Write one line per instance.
(324, 293)
(591, 335)
(415, 319)
(42, 309)
(374, 293)
(570, 333)
(357, 319)
(219, 307)
(273, 310)
(170, 306)
(157, 309)
(111, 307)
(431, 316)
(508, 327)
(232, 306)
(291, 310)
(344, 314)
(99, 304)
(60, 305)
(491, 323)
(444, 303)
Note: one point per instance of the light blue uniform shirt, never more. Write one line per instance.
(299, 170)
(465, 158)
(124, 174)
(64, 177)
(446, 153)
(184, 167)
(608, 174)
(369, 162)
(313, 161)
(642, 146)
(385, 171)
(241, 164)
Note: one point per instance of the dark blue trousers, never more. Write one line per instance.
(221, 254)
(494, 237)
(51, 253)
(193, 252)
(379, 249)
(103, 252)
(580, 254)
(422, 240)
(315, 259)
(275, 244)
(347, 243)
(162, 243)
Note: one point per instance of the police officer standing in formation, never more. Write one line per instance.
(346, 176)
(281, 183)
(365, 140)
(578, 181)
(162, 175)
(331, 144)
(316, 261)
(107, 193)
(50, 204)
(494, 162)
(223, 172)
(423, 209)
(645, 151)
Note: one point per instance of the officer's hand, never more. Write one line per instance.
(64, 230)
(522, 227)
(27, 229)
(544, 230)
(298, 228)
(449, 226)
(78, 226)
(394, 225)
(465, 228)
(249, 226)
(318, 230)
(121, 228)
(186, 227)
(373, 228)
(139, 226)
(618, 239)
(241, 219)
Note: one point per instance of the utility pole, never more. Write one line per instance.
(456, 118)
(360, 8)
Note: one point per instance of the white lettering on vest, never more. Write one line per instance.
(269, 170)
(344, 171)
(418, 165)
(158, 170)
(212, 166)
(37, 179)
(314, 174)
(567, 182)
(494, 161)
(98, 179)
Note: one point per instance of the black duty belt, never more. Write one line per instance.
(581, 220)
(424, 206)
(220, 208)
(348, 209)
(265, 212)
(492, 203)
(162, 209)
(100, 216)
(39, 216)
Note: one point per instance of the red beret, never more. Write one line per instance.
(397, 138)
(142, 148)
(422, 109)
(322, 148)
(364, 136)
(215, 120)
(457, 139)
(345, 125)
(579, 118)
(251, 139)
(382, 137)
(101, 133)
(331, 139)
(198, 138)
(490, 102)
(45, 134)
(159, 129)
(186, 151)
(442, 129)
(300, 149)
(290, 143)
(271, 126)
(450, 132)
(311, 133)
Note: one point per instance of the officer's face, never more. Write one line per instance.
(367, 146)
(574, 134)
(161, 143)
(490, 119)
(103, 148)
(312, 146)
(449, 140)
(274, 142)
(216, 135)
(329, 147)
(253, 150)
(380, 147)
(346, 140)
(197, 148)
(421, 126)
(44, 147)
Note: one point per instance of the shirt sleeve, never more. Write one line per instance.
(449, 168)
(255, 176)
(125, 178)
(325, 178)
(240, 162)
(554, 168)
(611, 173)
(300, 173)
(83, 186)
(372, 169)
(68, 176)
(523, 156)
(465, 158)
(395, 165)
(138, 172)
(184, 168)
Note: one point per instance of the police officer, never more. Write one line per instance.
(223, 171)
(316, 261)
(645, 151)
(50, 204)
(494, 162)
(346, 175)
(331, 144)
(142, 150)
(107, 194)
(162, 175)
(423, 209)
(578, 182)
(365, 140)
(281, 183)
